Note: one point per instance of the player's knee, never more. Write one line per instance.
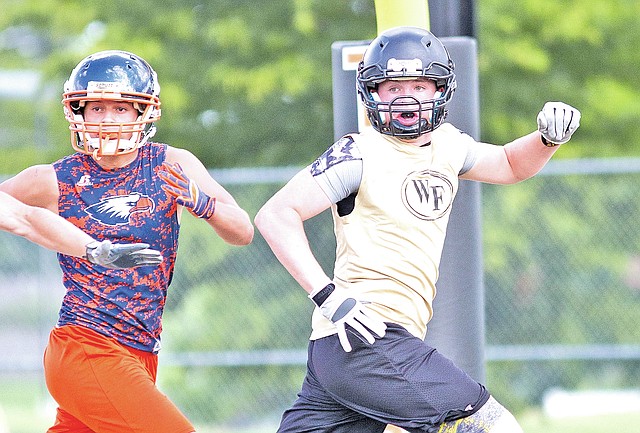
(507, 423)
(492, 417)
(497, 418)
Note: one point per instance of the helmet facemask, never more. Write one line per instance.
(422, 116)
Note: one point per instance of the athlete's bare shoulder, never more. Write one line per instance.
(36, 186)
(39, 173)
(184, 157)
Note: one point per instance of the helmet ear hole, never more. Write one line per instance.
(77, 107)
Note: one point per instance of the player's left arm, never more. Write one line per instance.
(527, 155)
(187, 179)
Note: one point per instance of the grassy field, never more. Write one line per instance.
(25, 407)
(535, 422)
(29, 420)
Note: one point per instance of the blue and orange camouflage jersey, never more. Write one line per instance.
(122, 205)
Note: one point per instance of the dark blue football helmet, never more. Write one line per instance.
(118, 76)
(405, 53)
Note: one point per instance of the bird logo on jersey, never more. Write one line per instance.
(117, 210)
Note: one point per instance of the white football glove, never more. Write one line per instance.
(121, 256)
(342, 309)
(557, 121)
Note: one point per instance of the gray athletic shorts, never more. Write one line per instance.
(397, 380)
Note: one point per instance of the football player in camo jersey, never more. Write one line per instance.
(101, 358)
(390, 189)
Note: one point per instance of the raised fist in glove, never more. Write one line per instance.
(342, 309)
(557, 121)
(186, 191)
(121, 256)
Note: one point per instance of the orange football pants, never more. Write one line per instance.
(103, 386)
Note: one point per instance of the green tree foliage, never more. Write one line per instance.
(243, 83)
(578, 52)
(246, 83)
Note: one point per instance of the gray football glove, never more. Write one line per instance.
(121, 256)
(342, 309)
(557, 121)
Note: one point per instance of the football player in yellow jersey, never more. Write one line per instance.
(390, 189)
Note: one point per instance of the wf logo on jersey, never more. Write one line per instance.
(114, 211)
(427, 194)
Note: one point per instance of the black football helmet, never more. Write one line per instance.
(405, 53)
(113, 75)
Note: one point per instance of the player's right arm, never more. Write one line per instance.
(280, 222)
(35, 186)
(333, 176)
(42, 227)
(35, 218)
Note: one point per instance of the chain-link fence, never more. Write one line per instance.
(562, 280)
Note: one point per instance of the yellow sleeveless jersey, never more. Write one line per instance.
(389, 246)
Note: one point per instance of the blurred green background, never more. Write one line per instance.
(246, 86)
(248, 83)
